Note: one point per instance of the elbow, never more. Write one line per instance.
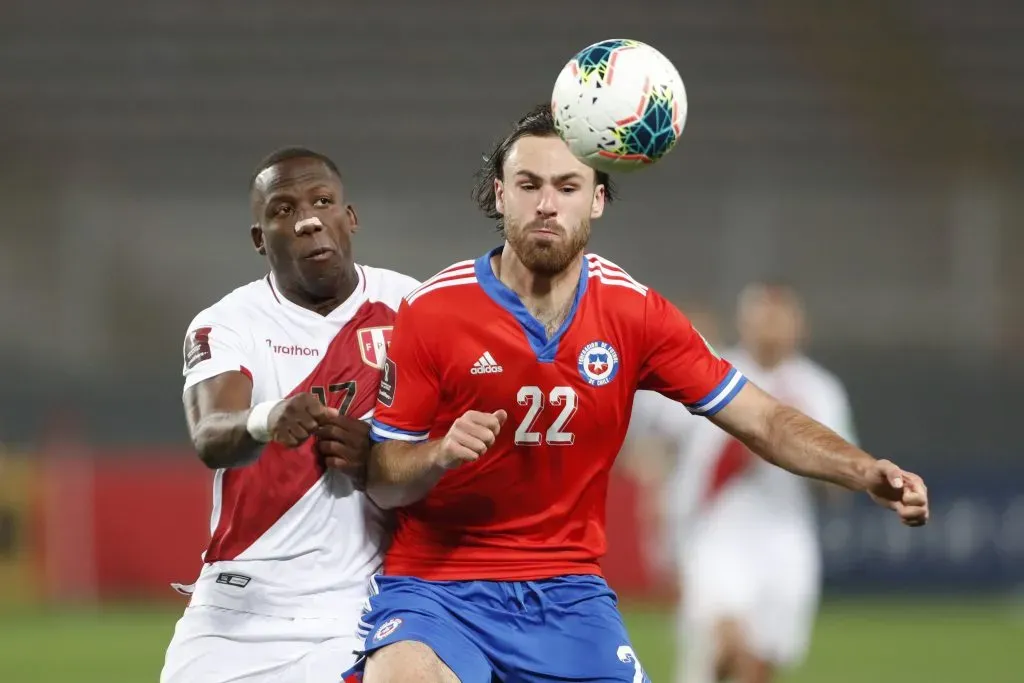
(215, 453)
(207, 450)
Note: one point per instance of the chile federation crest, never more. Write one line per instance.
(598, 363)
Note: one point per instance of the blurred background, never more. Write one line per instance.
(869, 152)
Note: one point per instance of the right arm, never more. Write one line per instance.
(225, 428)
(404, 462)
(217, 411)
(218, 390)
(402, 473)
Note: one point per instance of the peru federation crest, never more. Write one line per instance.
(373, 345)
(598, 363)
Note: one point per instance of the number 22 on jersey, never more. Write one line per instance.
(563, 399)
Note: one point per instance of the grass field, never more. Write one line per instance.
(855, 642)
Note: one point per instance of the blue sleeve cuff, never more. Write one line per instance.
(720, 396)
(381, 432)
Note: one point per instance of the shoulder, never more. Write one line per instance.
(440, 288)
(387, 286)
(236, 308)
(609, 276)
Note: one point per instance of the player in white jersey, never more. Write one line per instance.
(281, 376)
(747, 550)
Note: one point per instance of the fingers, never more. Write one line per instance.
(912, 515)
(470, 436)
(890, 473)
(913, 509)
(462, 454)
(324, 414)
(902, 492)
(346, 430)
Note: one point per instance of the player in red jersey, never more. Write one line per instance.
(504, 400)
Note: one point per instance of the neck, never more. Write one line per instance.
(321, 304)
(548, 298)
(515, 275)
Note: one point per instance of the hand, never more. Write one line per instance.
(294, 420)
(344, 445)
(469, 437)
(899, 490)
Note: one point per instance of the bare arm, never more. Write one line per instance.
(217, 410)
(402, 473)
(789, 439)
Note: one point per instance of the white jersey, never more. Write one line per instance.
(755, 493)
(289, 538)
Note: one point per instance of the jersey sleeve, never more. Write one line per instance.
(212, 347)
(409, 386)
(679, 363)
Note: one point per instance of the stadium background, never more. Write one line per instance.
(870, 152)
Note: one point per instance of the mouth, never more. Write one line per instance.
(549, 232)
(319, 254)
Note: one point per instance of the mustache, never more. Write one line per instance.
(545, 224)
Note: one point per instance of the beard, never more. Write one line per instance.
(547, 258)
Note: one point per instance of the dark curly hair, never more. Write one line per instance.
(538, 122)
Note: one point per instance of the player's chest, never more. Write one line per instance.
(340, 361)
(584, 373)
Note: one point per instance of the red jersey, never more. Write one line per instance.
(533, 506)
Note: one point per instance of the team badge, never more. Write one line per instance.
(197, 347)
(373, 345)
(598, 363)
(387, 628)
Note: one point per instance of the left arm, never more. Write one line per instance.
(681, 365)
(789, 439)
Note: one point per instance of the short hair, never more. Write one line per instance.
(287, 154)
(538, 122)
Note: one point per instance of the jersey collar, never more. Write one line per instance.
(545, 349)
(345, 309)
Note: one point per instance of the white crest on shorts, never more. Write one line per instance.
(387, 628)
(313, 220)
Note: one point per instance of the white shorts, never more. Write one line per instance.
(767, 579)
(218, 645)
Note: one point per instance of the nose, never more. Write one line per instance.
(308, 226)
(546, 205)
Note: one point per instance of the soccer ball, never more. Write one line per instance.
(619, 104)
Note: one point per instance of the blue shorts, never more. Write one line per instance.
(561, 629)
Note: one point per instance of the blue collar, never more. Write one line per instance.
(545, 349)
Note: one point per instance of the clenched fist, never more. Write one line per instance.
(344, 445)
(295, 419)
(901, 491)
(469, 437)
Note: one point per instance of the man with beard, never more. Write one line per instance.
(504, 400)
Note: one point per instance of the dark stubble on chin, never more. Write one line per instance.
(547, 259)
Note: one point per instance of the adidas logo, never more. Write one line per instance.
(486, 365)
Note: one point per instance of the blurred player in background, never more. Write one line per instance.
(281, 378)
(747, 543)
(505, 399)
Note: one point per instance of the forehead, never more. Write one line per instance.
(544, 156)
(294, 174)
